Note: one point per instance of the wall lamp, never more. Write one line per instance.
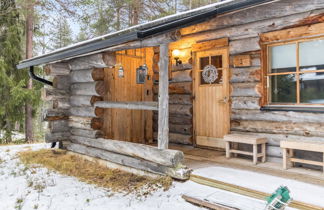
(176, 55)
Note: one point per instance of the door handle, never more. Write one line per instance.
(225, 100)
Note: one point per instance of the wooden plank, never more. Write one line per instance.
(311, 162)
(148, 96)
(247, 192)
(180, 173)
(308, 146)
(49, 94)
(163, 121)
(246, 139)
(55, 114)
(86, 133)
(241, 152)
(242, 61)
(165, 157)
(211, 44)
(206, 204)
(134, 105)
(88, 123)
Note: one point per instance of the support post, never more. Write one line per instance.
(163, 121)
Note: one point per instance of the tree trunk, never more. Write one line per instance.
(29, 54)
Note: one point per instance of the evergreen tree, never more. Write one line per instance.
(61, 34)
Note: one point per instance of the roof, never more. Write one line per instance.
(142, 31)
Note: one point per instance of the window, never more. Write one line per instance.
(296, 72)
(215, 61)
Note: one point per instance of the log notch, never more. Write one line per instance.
(163, 122)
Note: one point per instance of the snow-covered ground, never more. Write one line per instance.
(22, 187)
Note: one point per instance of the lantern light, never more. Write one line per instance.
(176, 55)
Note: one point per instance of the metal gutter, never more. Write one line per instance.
(140, 33)
(39, 79)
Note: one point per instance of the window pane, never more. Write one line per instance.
(217, 61)
(204, 61)
(283, 58)
(283, 88)
(312, 88)
(311, 55)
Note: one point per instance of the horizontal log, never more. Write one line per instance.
(84, 111)
(135, 105)
(49, 94)
(244, 75)
(62, 82)
(181, 76)
(88, 62)
(182, 67)
(61, 104)
(295, 117)
(84, 100)
(55, 114)
(177, 138)
(245, 89)
(176, 109)
(56, 69)
(89, 88)
(176, 128)
(181, 173)
(87, 75)
(176, 119)
(58, 126)
(302, 129)
(244, 45)
(245, 103)
(86, 133)
(87, 123)
(176, 88)
(255, 59)
(166, 157)
(109, 59)
(184, 99)
(54, 137)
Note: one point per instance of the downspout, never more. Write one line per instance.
(39, 79)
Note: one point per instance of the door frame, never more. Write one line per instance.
(219, 44)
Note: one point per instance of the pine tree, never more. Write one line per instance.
(62, 34)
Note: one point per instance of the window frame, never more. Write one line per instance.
(267, 73)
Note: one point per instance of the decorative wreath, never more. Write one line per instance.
(210, 74)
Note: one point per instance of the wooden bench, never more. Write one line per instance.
(289, 146)
(246, 139)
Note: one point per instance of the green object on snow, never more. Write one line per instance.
(279, 199)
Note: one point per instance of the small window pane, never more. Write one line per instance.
(311, 55)
(283, 58)
(283, 88)
(217, 61)
(204, 61)
(312, 88)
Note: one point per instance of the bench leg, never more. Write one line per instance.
(263, 153)
(290, 155)
(227, 147)
(235, 146)
(255, 154)
(284, 158)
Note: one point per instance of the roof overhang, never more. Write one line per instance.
(143, 31)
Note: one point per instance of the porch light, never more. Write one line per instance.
(176, 54)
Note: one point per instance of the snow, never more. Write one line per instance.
(54, 191)
(300, 191)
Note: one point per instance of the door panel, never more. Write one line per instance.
(211, 104)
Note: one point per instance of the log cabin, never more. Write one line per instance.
(243, 67)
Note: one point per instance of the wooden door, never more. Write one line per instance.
(211, 99)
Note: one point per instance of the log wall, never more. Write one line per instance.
(243, 29)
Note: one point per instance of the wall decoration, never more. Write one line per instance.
(210, 74)
(141, 73)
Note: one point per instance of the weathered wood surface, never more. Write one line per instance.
(181, 67)
(245, 89)
(245, 75)
(184, 99)
(54, 137)
(295, 117)
(87, 123)
(177, 88)
(207, 45)
(245, 102)
(88, 62)
(244, 45)
(55, 114)
(88, 88)
(62, 82)
(178, 138)
(58, 126)
(166, 157)
(179, 109)
(109, 59)
(56, 69)
(61, 104)
(178, 128)
(49, 94)
(87, 111)
(302, 129)
(163, 116)
(176, 119)
(86, 133)
(87, 75)
(76, 100)
(181, 173)
(135, 105)
(181, 76)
